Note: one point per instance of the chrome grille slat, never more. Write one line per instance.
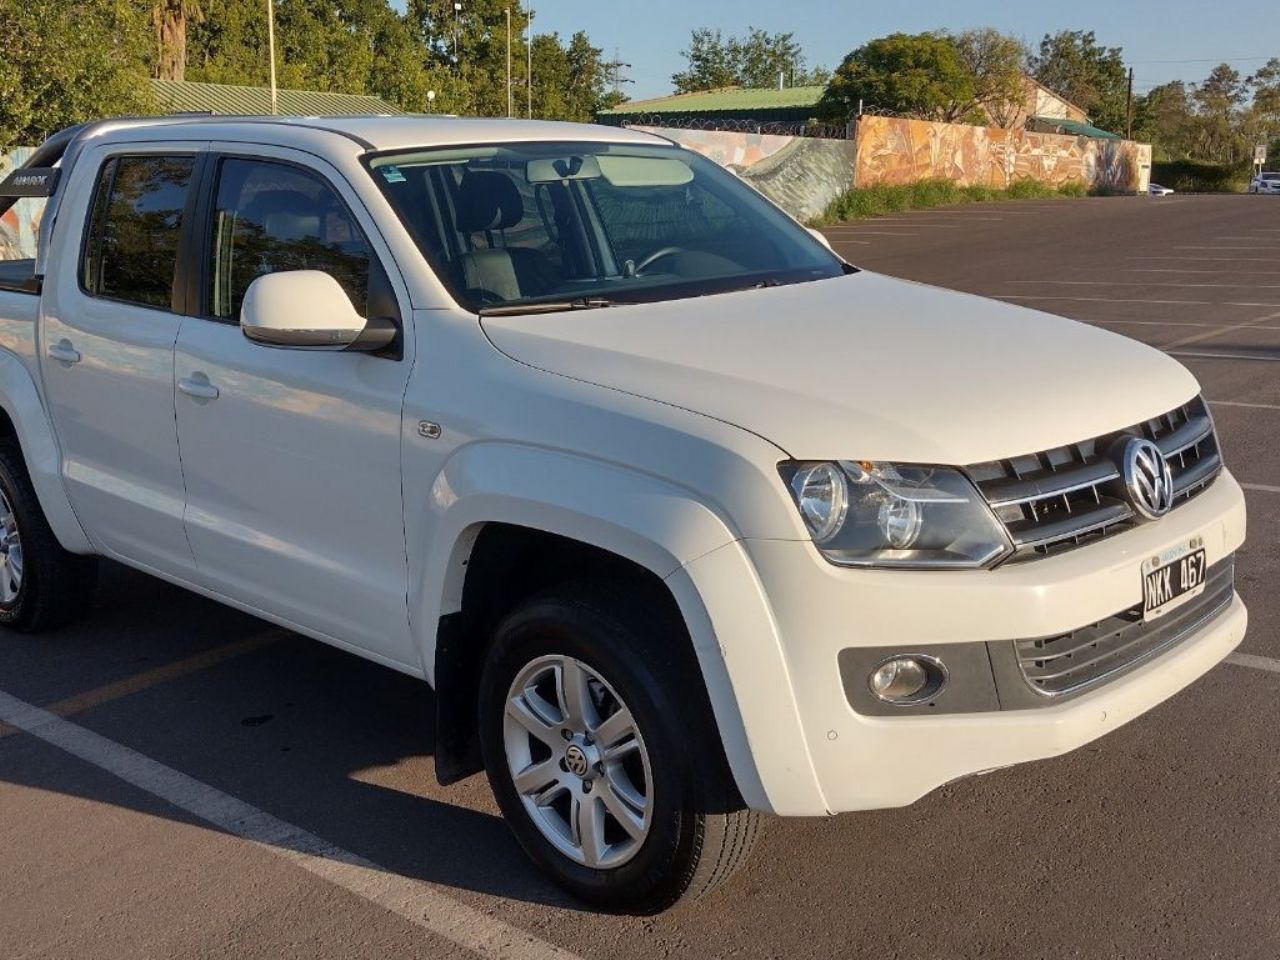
(1069, 662)
(1058, 499)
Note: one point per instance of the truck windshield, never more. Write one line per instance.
(547, 224)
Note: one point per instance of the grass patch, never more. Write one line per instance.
(858, 203)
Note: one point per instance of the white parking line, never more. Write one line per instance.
(877, 233)
(1252, 406)
(415, 901)
(1203, 303)
(1215, 271)
(1260, 487)
(1224, 355)
(1148, 283)
(1254, 661)
(1209, 259)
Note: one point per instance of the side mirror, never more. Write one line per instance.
(309, 310)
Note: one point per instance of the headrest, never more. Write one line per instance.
(291, 226)
(488, 200)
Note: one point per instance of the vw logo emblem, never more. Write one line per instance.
(1147, 478)
(576, 761)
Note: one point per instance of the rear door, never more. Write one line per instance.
(112, 311)
(292, 458)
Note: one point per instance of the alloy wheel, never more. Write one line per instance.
(578, 762)
(10, 553)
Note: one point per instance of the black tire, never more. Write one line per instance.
(700, 832)
(57, 587)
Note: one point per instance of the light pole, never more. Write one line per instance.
(271, 53)
(509, 92)
(457, 10)
(528, 46)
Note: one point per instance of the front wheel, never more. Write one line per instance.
(42, 586)
(603, 758)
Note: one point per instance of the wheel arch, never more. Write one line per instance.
(23, 417)
(520, 520)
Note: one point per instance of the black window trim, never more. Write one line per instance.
(177, 283)
(200, 290)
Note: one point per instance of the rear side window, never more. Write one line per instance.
(132, 249)
(272, 217)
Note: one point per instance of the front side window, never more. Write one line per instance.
(271, 217)
(511, 226)
(131, 249)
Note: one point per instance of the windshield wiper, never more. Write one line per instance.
(544, 306)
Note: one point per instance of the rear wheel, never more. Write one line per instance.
(606, 765)
(42, 586)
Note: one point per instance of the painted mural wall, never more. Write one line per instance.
(800, 174)
(892, 150)
(21, 223)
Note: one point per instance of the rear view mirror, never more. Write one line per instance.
(308, 310)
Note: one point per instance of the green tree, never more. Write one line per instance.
(1165, 117)
(1074, 65)
(709, 64)
(67, 61)
(755, 60)
(918, 75)
(998, 64)
(1219, 101)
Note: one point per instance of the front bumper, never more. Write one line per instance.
(802, 612)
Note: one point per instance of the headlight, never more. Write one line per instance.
(895, 515)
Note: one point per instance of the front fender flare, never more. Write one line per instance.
(645, 519)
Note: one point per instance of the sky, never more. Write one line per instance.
(649, 34)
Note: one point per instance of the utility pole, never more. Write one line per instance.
(271, 52)
(1128, 109)
(615, 68)
(457, 11)
(509, 91)
(528, 48)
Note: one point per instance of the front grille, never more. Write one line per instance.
(1070, 661)
(1059, 499)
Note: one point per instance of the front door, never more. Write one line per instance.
(111, 319)
(292, 458)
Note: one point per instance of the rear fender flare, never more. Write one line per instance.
(21, 401)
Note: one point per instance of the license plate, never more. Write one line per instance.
(1172, 578)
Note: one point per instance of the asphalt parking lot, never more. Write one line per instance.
(218, 787)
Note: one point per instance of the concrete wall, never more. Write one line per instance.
(800, 174)
(21, 223)
(892, 150)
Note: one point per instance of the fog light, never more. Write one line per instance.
(908, 679)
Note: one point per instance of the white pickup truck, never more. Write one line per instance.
(684, 518)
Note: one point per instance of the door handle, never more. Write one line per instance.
(64, 352)
(198, 387)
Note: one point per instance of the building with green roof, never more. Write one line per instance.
(175, 96)
(790, 104)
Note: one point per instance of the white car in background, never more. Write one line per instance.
(1266, 182)
(1158, 191)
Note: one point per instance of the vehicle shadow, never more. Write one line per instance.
(313, 736)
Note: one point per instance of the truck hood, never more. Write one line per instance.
(863, 367)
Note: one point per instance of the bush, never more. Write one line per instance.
(1192, 176)
(875, 201)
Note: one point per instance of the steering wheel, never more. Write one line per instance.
(654, 257)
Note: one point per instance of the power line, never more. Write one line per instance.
(1202, 60)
